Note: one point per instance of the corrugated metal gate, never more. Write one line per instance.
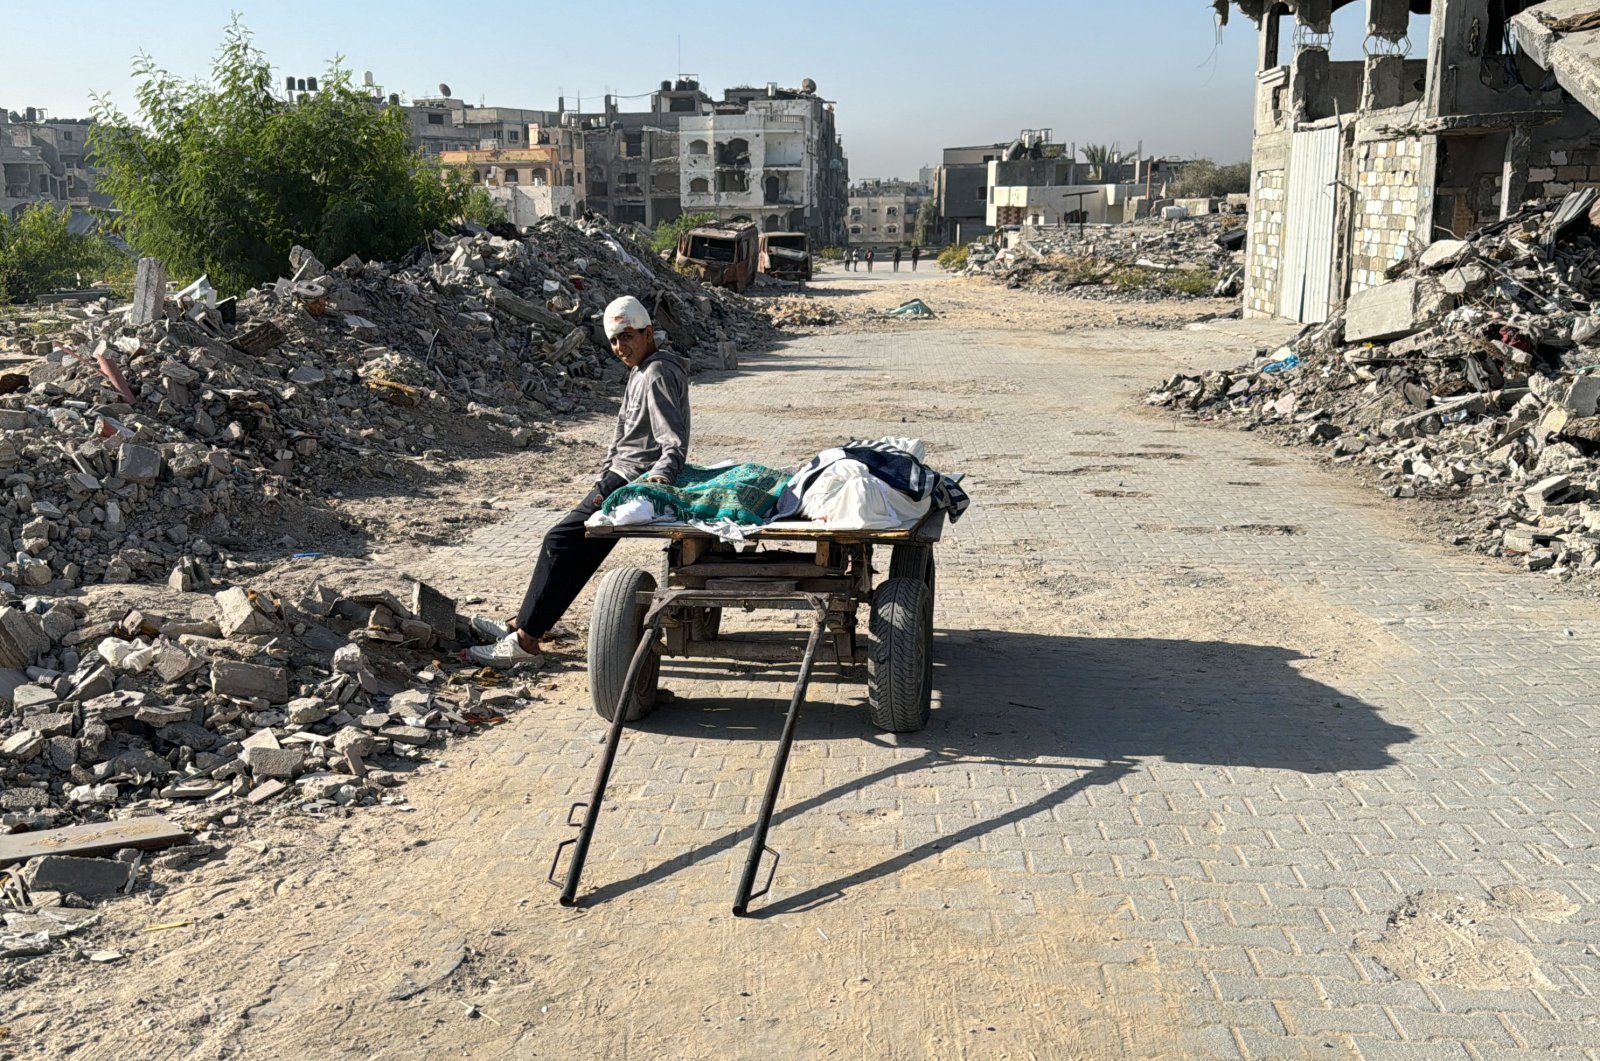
(1308, 243)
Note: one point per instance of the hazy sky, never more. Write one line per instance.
(908, 78)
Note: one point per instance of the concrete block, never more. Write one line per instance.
(139, 464)
(1583, 396)
(22, 746)
(274, 763)
(238, 614)
(246, 680)
(1380, 313)
(22, 639)
(53, 723)
(1443, 252)
(28, 699)
(163, 714)
(91, 878)
(149, 291)
(435, 609)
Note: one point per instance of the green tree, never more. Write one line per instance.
(1099, 156)
(669, 232)
(222, 176)
(927, 219)
(1204, 179)
(39, 252)
(482, 208)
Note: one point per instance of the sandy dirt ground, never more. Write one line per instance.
(425, 929)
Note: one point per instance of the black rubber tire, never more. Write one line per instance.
(706, 624)
(899, 660)
(911, 561)
(613, 637)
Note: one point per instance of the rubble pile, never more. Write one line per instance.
(799, 312)
(1146, 260)
(1473, 374)
(244, 699)
(154, 434)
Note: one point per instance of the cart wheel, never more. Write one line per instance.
(613, 638)
(911, 561)
(899, 663)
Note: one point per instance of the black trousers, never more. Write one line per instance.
(568, 559)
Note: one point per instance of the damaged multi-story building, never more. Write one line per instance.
(882, 214)
(770, 156)
(633, 159)
(1358, 164)
(46, 160)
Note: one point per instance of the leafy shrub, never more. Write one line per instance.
(954, 257)
(221, 176)
(39, 252)
(669, 232)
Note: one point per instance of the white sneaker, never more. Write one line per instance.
(484, 626)
(506, 652)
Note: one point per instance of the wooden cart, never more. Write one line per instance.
(796, 568)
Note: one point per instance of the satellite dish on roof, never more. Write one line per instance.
(444, 90)
(808, 85)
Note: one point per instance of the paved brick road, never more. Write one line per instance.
(1241, 822)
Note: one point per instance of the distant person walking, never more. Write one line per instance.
(897, 259)
(916, 252)
(871, 253)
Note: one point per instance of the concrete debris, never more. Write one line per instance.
(148, 444)
(1139, 261)
(207, 720)
(1472, 375)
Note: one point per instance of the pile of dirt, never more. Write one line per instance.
(184, 426)
(1472, 375)
(1141, 261)
(799, 312)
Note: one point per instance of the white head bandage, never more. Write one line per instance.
(626, 312)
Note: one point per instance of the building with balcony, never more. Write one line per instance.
(769, 156)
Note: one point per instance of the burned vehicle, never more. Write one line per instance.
(723, 255)
(786, 256)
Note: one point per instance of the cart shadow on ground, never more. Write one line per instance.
(1093, 709)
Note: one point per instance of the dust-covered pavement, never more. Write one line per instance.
(1225, 761)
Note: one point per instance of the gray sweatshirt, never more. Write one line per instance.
(652, 436)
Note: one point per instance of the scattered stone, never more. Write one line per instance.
(89, 878)
(244, 681)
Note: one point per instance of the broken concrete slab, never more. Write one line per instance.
(1443, 252)
(149, 291)
(90, 878)
(240, 615)
(22, 639)
(435, 609)
(139, 464)
(1379, 313)
(22, 745)
(146, 833)
(275, 763)
(246, 680)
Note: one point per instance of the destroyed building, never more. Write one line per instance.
(1358, 165)
(770, 156)
(1033, 180)
(633, 158)
(883, 213)
(46, 160)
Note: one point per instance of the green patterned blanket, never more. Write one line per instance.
(743, 493)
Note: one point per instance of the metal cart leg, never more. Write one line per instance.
(591, 809)
(780, 762)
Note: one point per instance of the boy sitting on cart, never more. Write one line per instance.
(651, 440)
